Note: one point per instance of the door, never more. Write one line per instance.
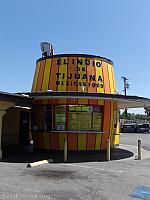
(24, 128)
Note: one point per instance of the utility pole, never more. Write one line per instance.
(126, 86)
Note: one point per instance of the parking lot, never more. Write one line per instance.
(90, 177)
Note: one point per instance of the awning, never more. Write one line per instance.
(18, 99)
(122, 100)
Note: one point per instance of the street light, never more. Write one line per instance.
(126, 86)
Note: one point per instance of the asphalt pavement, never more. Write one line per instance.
(85, 177)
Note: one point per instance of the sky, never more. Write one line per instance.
(116, 29)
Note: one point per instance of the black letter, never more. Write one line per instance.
(79, 61)
(70, 76)
(76, 83)
(100, 79)
(87, 62)
(57, 74)
(98, 64)
(93, 84)
(84, 76)
(59, 62)
(65, 62)
(78, 68)
(92, 77)
(93, 62)
(83, 69)
(77, 76)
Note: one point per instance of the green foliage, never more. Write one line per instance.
(133, 116)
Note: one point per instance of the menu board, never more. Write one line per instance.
(97, 122)
(60, 118)
(73, 121)
(85, 121)
(60, 109)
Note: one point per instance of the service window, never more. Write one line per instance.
(60, 118)
(85, 118)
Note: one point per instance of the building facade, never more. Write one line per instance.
(86, 122)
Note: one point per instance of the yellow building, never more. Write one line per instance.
(73, 97)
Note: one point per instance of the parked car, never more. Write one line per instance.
(142, 128)
(129, 128)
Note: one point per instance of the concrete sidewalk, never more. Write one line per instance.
(132, 148)
(27, 154)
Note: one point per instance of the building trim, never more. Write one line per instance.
(76, 55)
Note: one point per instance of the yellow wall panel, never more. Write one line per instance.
(36, 77)
(46, 140)
(82, 141)
(116, 139)
(82, 101)
(111, 82)
(62, 137)
(63, 76)
(99, 81)
(46, 75)
(98, 141)
(114, 81)
(82, 70)
(101, 102)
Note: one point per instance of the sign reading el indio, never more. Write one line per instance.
(84, 72)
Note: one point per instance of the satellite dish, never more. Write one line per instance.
(45, 48)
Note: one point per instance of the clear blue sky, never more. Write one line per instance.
(116, 29)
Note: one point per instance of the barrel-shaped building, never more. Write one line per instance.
(70, 104)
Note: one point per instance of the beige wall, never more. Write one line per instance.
(10, 128)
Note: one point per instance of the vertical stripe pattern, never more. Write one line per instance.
(74, 74)
(35, 80)
(77, 74)
(46, 75)
(40, 76)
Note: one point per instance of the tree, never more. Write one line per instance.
(133, 116)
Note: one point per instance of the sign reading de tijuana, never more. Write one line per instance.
(79, 76)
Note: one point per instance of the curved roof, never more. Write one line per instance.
(25, 99)
(76, 55)
(122, 100)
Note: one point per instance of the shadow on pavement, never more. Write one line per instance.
(27, 154)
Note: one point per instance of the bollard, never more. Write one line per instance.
(65, 150)
(108, 149)
(139, 150)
